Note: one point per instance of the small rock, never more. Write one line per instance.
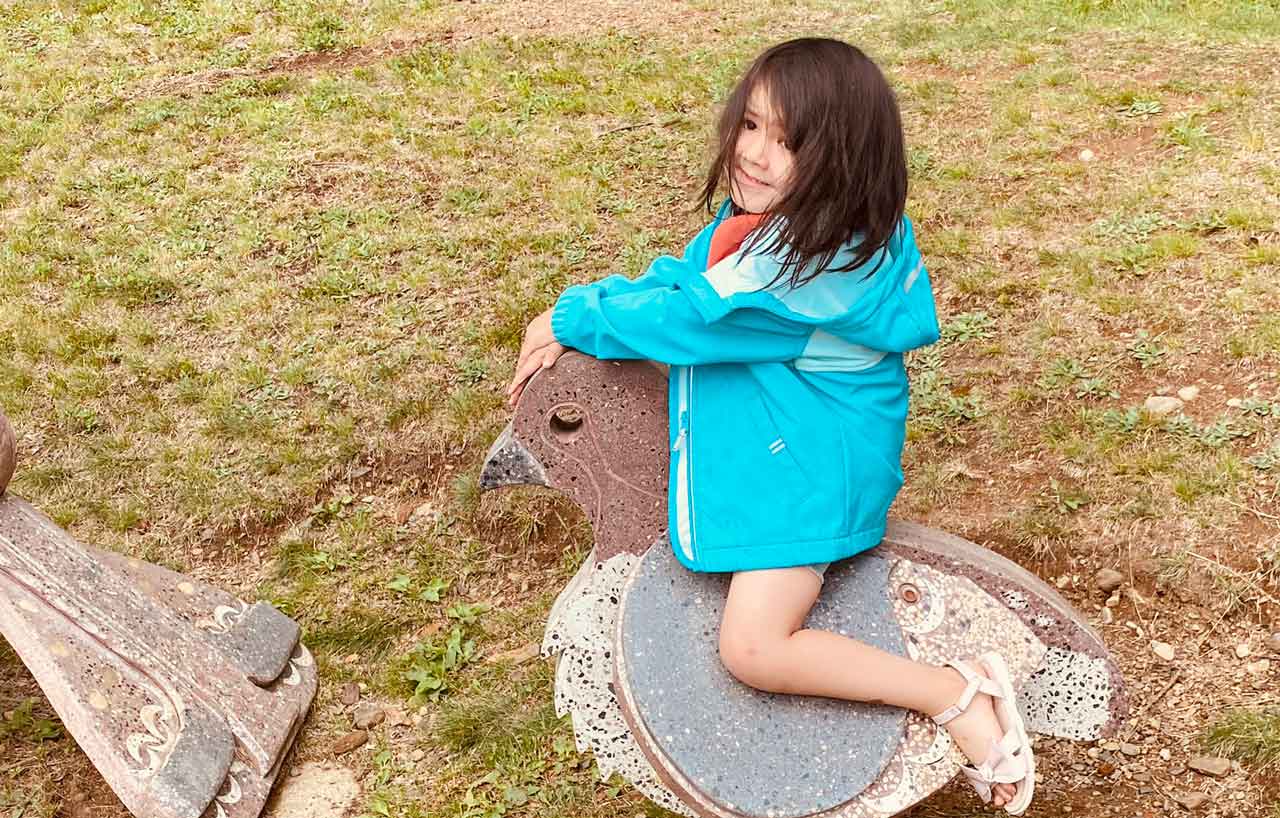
(1158, 405)
(316, 790)
(1108, 580)
(518, 656)
(1259, 667)
(1163, 649)
(1141, 777)
(1210, 765)
(367, 715)
(1086, 155)
(1242, 650)
(1273, 642)
(1191, 800)
(1113, 600)
(350, 693)
(397, 717)
(1107, 616)
(418, 755)
(1177, 768)
(426, 512)
(1093, 752)
(1106, 768)
(1130, 749)
(1189, 393)
(349, 742)
(1235, 403)
(1165, 755)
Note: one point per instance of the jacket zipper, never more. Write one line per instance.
(684, 497)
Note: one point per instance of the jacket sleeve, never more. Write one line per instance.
(663, 324)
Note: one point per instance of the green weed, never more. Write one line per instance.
(21, 723)
(432, 664)
(1249, 736)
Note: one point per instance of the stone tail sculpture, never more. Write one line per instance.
(184, 697)
(636, 633)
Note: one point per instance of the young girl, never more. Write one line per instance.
(784, 324)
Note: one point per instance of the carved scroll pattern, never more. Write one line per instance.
(145, 706)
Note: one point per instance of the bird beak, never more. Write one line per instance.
(509, 463)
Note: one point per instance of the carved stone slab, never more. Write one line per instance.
(185, 698)
(949, 598)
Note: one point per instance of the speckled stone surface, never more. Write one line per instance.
(152, 672)
(728, 738)
(597, 431)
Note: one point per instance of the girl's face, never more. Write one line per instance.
(762, 161)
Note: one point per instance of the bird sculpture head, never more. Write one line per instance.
(596, 431)
(8, 453)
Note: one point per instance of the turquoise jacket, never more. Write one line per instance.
(788, 406)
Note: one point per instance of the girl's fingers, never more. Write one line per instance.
(526, 349)
(523, 372)
(531, 360)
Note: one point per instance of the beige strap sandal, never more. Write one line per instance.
(1010, 760)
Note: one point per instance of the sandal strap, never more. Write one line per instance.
(975, 683)
(980, 785)
(1001, 767)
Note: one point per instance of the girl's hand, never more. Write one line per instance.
(538, 351)
(539, 359)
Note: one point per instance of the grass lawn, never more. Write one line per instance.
(264, 267)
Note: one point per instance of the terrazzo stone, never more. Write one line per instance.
(185, 698)
(728, 737)
(597, 431)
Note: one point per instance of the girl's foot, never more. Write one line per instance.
(995, 751)
(975, 729)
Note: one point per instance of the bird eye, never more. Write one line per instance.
(566, 421)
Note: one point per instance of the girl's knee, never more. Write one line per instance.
(751, 660)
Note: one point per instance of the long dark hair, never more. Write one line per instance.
(849, 173)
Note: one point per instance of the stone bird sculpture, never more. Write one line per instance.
(185, 698)
(636, 634)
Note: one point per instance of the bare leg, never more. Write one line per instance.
(763, 645)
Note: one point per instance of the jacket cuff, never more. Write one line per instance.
(567, 314)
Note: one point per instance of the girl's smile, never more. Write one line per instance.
(746, 177)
